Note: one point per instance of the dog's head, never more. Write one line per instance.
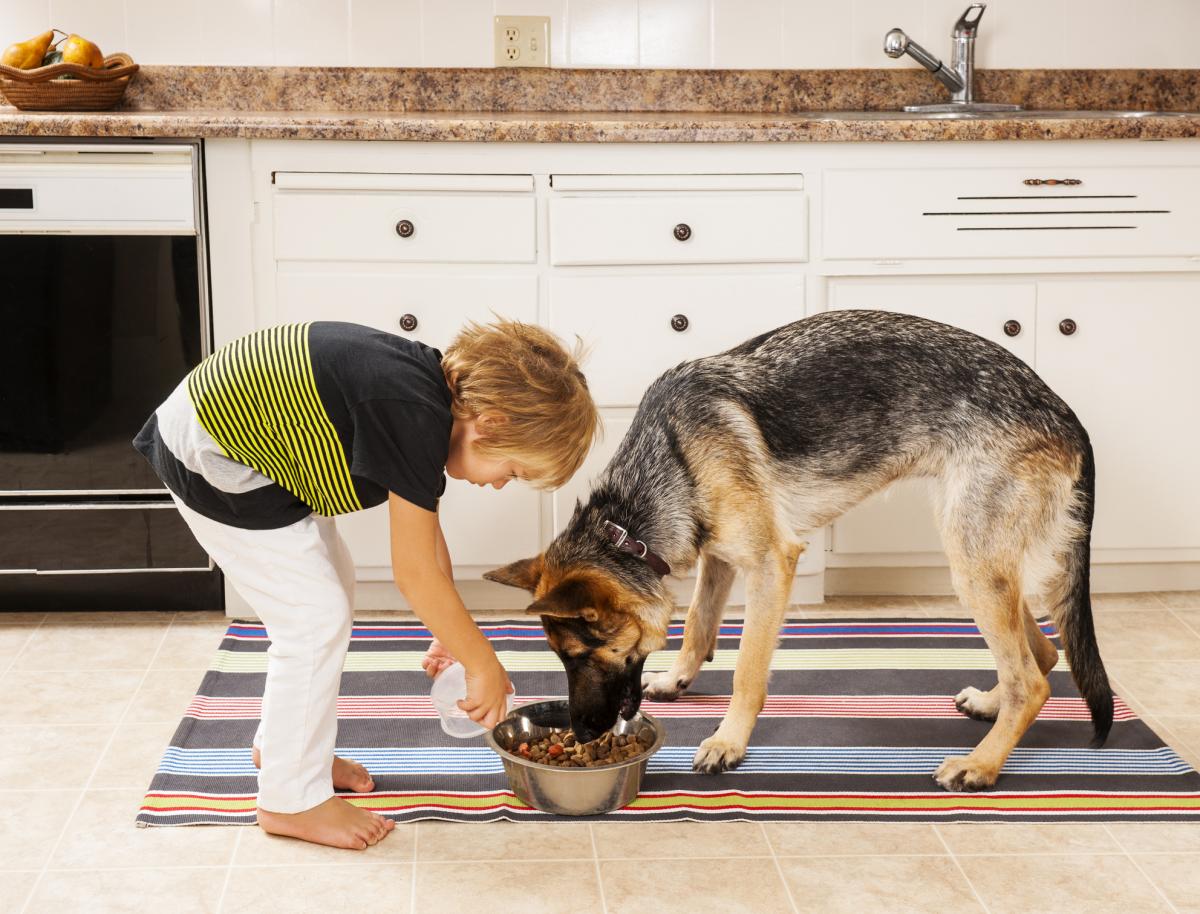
(601, 628)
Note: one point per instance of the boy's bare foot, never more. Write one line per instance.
(347, 774)
(335, 823)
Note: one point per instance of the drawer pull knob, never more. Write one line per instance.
(408, 322)
(1067, 326)
(1052, 182)
(679, 323)
(1012, 328)
(405, 229)
(683, 231)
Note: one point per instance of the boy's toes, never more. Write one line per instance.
(350, 775)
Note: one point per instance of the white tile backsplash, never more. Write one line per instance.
(675, 33)
(385, 33)
(619, 33)
(747, 34)
(163, 31)
(237, 32)
(602, 33)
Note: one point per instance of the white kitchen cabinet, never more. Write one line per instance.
(933, 213)
(1129, 370)
(637, 326)
(899, 519)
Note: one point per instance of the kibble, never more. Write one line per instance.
(560, 749)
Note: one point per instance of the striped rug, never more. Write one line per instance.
(860, 714)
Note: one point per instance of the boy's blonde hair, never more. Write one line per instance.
(524, 375)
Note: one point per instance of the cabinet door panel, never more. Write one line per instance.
(1131, 374)
(900, 518)
(627, 322)
(483, 527)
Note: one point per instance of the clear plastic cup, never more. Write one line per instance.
(449, 686)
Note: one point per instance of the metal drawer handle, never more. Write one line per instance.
(683, 231)
(408, 322)
(405, 229)
(1067, 326)
(679, 323)
(1012, 328)
(1052, 182)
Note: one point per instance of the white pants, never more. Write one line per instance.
(300, 581)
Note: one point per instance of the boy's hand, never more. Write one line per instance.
(487, 690)
(436, 659)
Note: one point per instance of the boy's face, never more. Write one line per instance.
(466, 462)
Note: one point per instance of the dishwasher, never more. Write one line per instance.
(104, 306)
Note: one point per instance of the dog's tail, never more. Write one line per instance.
(1071, 601)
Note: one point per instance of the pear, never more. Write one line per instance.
(77, 49)
(25, 55)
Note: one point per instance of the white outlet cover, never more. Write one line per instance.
(531, 45)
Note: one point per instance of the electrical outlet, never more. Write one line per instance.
(522, 41)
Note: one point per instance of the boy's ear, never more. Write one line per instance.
(570, 599)
(524, 573)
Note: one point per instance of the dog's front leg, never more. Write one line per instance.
(767, 590)
(699, 631)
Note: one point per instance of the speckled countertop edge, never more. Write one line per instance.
(615, 106)
(583, 127)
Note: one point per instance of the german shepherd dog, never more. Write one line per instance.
(732, 459)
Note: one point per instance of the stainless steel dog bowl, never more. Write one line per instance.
(571, 791)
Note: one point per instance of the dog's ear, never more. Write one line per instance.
(570, 599)
(524, 573)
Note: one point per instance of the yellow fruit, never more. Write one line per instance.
(25, 55)
(81, 51)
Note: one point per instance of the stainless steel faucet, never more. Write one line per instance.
(959, 77)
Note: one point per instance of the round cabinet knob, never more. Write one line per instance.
(405, 229)
(1012, 328)
(683, 231)
(408, 322)
(679, 323)
(1067, 326)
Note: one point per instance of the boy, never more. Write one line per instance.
(274, 434)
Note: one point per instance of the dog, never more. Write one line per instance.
(732, 459)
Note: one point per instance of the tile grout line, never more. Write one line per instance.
(954, 857)
(99, 759)
(412, 890)
(787, 889)
(596, 864)
(1136, 866)
(229, 872)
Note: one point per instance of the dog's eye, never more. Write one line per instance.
(629, 661)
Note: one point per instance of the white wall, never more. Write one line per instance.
(622, 33)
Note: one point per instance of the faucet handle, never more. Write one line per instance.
(968, 22)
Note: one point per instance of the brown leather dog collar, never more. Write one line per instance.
(621, 538)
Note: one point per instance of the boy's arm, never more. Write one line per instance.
(437, 658)
(416, 536)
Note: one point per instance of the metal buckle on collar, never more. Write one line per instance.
(624, 533)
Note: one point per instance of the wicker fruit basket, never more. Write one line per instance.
(93, 89)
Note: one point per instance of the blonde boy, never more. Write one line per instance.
(274, 434)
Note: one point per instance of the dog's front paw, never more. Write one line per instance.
(963, 773)
(716, 755)
(976, 704)
(663, 686)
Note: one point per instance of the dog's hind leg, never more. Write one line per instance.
(986, 705)
(767, 590)
(699, 631)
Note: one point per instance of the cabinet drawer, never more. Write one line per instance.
(679, 226)
(629, 322)
(925, 213)
(398, 218)
(440, 304)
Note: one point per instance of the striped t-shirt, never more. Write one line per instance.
(329, 416)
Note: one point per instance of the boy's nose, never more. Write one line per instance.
(500, 483)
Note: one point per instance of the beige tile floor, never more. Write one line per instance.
(87, 703)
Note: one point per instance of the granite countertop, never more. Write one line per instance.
(623, 106)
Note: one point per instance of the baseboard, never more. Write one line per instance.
(1115, 578)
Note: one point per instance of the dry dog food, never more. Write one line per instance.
(562, 750)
